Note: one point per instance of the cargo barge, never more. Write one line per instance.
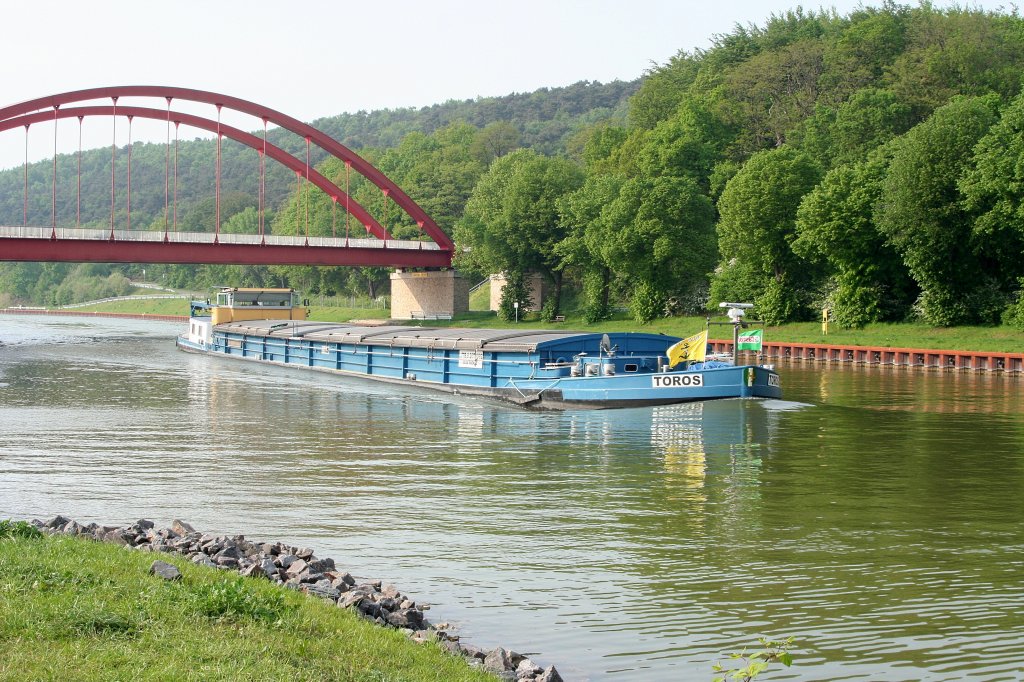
(540, 369)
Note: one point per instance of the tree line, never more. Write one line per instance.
(870, 164)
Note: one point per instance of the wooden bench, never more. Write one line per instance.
(420, 315)
(559, 318)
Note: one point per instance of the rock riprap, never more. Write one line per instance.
(300, 569)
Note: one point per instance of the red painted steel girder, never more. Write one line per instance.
(248, 139)
(294, 125)
(100, 251)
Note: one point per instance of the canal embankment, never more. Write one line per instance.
(287, 567)
(93, 313)
(850, 354)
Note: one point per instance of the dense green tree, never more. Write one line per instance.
(595, 147)
(515, 297)
(659, 235)
(663, 88)
(858, 58)
(494, 140)
(772, 93)
(687, 144)
(511, 223)
(758, 222)
(921, 214)
(835, 224)
(202, 217)
(956, 51)
(993, 189)
(584, 215)
(850, 131)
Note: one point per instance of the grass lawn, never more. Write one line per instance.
(901, 335)
(149, 306)
(74, 609)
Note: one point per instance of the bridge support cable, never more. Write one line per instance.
(53, 205)
(306, 192)
(348, 212)
(78, 207)
(129, 173)
(298, 199)
(385, 193)
(113, 159)
(167, 168)
(174, 205)
(263, 184)
(216, 238)
(24, 218)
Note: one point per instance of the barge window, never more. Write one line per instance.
(632, 367)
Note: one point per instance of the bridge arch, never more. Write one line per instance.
(53, 103)
(248, 139)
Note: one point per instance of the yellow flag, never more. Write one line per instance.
(690, 348)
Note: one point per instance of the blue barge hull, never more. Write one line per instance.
(532, 368)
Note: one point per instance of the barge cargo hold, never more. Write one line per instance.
(532, 368)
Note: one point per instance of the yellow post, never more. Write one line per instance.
(824, 321)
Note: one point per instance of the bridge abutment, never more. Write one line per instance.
(536, 287)
(429, 294)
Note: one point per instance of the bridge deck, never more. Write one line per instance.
(20, 243)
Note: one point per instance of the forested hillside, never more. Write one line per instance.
(870, 163)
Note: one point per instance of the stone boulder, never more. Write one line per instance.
(162, 569)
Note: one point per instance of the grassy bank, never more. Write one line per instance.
(901, 335)
(148, 306)
(77, 609)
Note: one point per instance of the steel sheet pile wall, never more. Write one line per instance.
(945, 360)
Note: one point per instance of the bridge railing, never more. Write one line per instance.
(23, 232)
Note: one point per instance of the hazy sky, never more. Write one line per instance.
(315, 58)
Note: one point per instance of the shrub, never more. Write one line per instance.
(514, 292)
(550, 309)
(233, 599)
(18, 529)
(646, 303)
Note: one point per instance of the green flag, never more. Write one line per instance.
(750, 340)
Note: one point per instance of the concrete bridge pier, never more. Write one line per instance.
(431, 294)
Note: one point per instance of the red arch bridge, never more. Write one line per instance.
(119, 243)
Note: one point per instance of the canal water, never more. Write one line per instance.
(877, 516)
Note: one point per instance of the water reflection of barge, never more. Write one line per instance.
(533, 368)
